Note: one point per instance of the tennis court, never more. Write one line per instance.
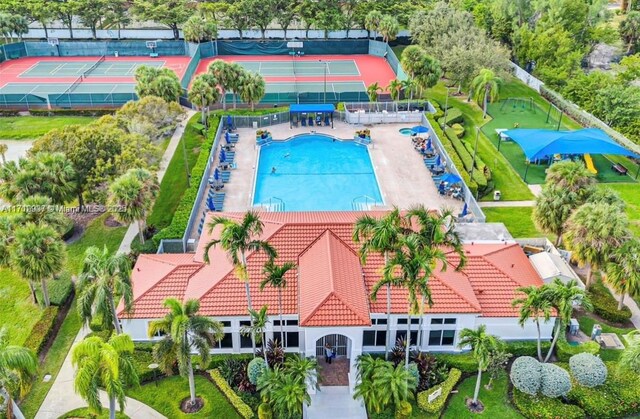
(316, 86)
(99, 68)
(297, 67)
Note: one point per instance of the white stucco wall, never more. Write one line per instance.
(507, 328)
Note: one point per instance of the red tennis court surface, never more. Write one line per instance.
(43, 70)
(370, 69)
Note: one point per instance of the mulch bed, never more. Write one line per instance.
(112, 222)
(475, 408)
(187, 407)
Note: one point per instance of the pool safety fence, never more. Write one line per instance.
(259, 121)
(385, 112)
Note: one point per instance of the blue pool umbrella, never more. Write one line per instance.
(465, 210)
(227, 137)
(419, 129)
(210, 204)
(216, 174)
(229, 121)
(429, 143)
(450, 178)
(223, 156)
(438, 160)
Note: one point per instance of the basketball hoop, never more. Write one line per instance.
(54, 42)
(152, 45)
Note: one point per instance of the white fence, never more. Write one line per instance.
(385, 112)
(526, 78)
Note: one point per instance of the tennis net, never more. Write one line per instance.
(94, 66)
(71, 88)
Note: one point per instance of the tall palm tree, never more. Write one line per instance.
(408, 85)
(18, 365)
(630, 359)
(259, 320)
(221, 72)
(411, 59)
(104, 278)
(184, 330)
(394, 88)
(552, 210)
(204, 93)
(383, 236)
(388, 28)
(37, 254)
(107, 365)
(372, 90)
(134, 194)
(564, 297)
(593, 232)
(253, 89)
(427, 73)
(238, 238)
(481, 344)
(237, 75)
(274, 276)
(623, 270)
(3, 151)
(571, 176)
(535, 304)
(486, 88)
(40, 213)
(372, 22)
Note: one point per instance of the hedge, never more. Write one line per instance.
(242, 408)
(141, 361)
(526, 348)
(438, 404)
(216, 360)
(458, 129)
(540, 407)
(42, 330)
(464, 362)
(60, 289)
(564, 351)
(605, 306)
(178, 225)
(73, 112)
(461, 150)
(102, 334)
(454, 116)
(9, 112)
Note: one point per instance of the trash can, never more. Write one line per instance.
(255, 124)
(497, 195)
(115, 54)
(596, 331)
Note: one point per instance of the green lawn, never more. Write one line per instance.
(586, 326)
(28, 127)
(630, 192)
(166, 398)
(17, 311)
(504, 178)
(517, 220)
(496, 401)
(85, 412)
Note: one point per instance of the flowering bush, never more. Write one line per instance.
(588, 370)
(555, 381)
(255, 369)
(526, 375)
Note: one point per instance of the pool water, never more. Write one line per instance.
(406, 131)
(315, 172)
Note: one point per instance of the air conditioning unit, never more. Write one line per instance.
(565, 254)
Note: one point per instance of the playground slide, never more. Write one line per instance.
(589, 162)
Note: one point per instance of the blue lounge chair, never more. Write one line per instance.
(310, 121)
(303, 122)
(327, 121)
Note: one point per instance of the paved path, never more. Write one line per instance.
(493, 204)
(61, 397)
(629, 302)
(132, 231)
(334, 402)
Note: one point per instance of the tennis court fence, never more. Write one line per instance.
(259, 121)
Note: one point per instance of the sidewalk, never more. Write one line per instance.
(629, 302)
(61, 397)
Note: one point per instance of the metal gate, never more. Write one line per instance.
(337, 342)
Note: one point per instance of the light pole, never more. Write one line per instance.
(446, 107)
(326, 65)
(154, 367)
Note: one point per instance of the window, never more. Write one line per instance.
(400, 334)
(286, 322)
(380, 321)
(227, 342)
(441, 337)
(443, 321)
(245, 341)
(293, 338)
(245, 323)
(159, 334)
(413, 321)
(436, 321)
(226, 323)
(374, 338)
(449, 321)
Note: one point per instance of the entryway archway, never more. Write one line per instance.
(334, 372)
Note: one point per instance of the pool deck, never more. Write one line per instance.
(403, 178)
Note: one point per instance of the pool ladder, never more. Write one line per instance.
(363, 203)
(274, 204)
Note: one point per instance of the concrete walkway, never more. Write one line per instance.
(132, 231)
(493, 204)
(61, 397)
(629, 302)
(334, 402)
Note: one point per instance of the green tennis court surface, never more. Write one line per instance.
(51, 88)
(302, 68)
(316, 87)
(76, 68)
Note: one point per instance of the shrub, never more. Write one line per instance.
(461, 150)
(60, 289)
(438, 404)
(544, 407)
(255, 369)
(403, 410)
(588, 369)
(526, 375)
(526, 347)
(413, 370)
(458, 129)
(141, 361)
(564, 351)
(555, 381)
(605, 306)
(73, 112)
(264, 411)
(235, 400)
(464, 362)
(102, 334)
(217, 360)
(42, 330)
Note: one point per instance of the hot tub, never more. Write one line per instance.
(406, 131)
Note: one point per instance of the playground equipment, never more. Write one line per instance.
(589, 162)
(518, 103)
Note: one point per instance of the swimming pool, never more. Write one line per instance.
(315, 172)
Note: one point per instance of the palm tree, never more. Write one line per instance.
(253, 89)
(398, 383)
(380, 236)
(369, 389)
(482, 344)
(221, 72)
(256, 329)
(571, 176)
(193, 29)
(593, 232)
(41, 213)
(388, 28)
(428, 72)
(184, 330)
(552, 210)
(630, 359)
(37, 254)
(409, 86)
(275, 277)
(204, 93)
(107, 365)
(535, 304)
(372, 22)
(486, 88)
(411, 59)
(18, 365)
(238, 75)
(284, 391)
(133, 194)
(372, 90)
(3, 151)
(304, 368)
(394, 88)
(623, 270)
(238, 238)
(104, 278)
(564, 297)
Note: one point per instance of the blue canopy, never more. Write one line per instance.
(223, 156)
(450, 178)
(210, 205)
(320, 107)
(541, 143)
(216, 174)
(419, 129)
